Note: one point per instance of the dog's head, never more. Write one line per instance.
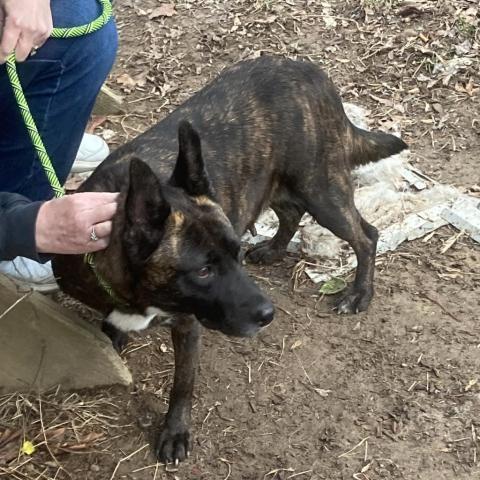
(181, 250)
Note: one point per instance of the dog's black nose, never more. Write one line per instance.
(264, 314)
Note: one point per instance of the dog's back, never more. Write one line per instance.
(265, 126)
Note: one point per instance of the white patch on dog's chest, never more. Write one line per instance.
(134, 322)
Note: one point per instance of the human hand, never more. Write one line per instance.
(27, 24)
(65, 225)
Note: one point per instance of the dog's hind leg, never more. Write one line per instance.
(289, 215)
(335, 210)
(173, 443)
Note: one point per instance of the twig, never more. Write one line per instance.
(303, 368)
(147, 467)
(40, 414)
(156, 471)
(134, 349)
(273, 472)
(128, 457)
(299, 473)
(451, 241)
(284, 310)
(436, 302)
(354, 448)
(229, 467)
(11, 307)
(249, 368)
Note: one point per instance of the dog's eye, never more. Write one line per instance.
(204, 272)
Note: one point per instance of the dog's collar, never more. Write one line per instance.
(117, 299)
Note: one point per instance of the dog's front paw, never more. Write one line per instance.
(263, 253)
(354, 302)
(119, 339)
(173, 445)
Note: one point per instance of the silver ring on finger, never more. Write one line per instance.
(93, 235)
(34, 50)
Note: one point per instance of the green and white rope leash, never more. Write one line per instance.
(37, 142)
(69, 32)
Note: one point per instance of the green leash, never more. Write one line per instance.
(11, 65)
(37, 142)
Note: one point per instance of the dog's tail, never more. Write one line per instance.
(369, 147)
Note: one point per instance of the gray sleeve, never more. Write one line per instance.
(18, 216)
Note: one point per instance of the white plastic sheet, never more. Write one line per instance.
(399, 200)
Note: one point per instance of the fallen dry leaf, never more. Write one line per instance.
(88, 441)
(7, 436)
(56, 434)
(8, 453)
(471, 383)
(95, 122)
(73, 182)
(8, 446)
(296, 344)
(164, 10)
(323, 392)
(126, 80)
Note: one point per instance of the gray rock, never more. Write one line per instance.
(43, 345)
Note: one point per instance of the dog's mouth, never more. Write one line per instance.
(248, 329)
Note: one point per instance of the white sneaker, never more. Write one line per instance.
(30, 275)
(92, 151)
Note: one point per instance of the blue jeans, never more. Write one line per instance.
(60, 83)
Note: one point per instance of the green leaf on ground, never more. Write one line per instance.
(333, 286)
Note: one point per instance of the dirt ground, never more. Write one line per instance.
(393, 393)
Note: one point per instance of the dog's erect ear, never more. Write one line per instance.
(189, 172)
(145, 213)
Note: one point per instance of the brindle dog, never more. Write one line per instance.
(266, 132)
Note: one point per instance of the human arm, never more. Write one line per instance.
(17, 226)
(62, 225)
